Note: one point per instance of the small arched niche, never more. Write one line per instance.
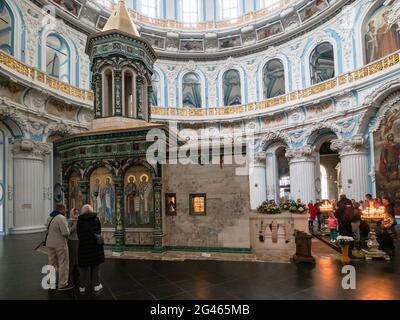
(107, 92)
(129, 87)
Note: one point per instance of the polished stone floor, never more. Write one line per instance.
(20, 278)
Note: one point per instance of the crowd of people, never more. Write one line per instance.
(345, 219)
(75, 247)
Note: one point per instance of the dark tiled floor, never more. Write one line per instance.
(20, 278)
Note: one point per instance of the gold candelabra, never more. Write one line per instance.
(326, 207)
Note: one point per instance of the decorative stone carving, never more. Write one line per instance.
(351, 145)
(274, 136)
(391, 103)
(296, 116)
(394, 16)
(35, 128)
(35, 99)
(31, 149)
(345, 102)
(305, 153)
(8, 112)
(291, 21)
(85, 116)
(59, 128)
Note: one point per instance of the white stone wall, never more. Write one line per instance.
(226, 223)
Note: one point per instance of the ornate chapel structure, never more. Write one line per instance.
(301, 98)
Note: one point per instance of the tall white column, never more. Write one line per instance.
(302, 173)
(272, 176)
(354, 166)
(29, 186)
(317, 168)
(258, 192)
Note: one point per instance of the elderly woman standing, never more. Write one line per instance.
(91, 251)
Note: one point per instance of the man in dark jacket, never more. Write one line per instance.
(344, 213)
(91, 251)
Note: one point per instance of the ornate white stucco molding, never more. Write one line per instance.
(274, 136)
(389, 105)
(349, 146)
(29, 149)
(305, 153)
(60, 128)
(12, 113)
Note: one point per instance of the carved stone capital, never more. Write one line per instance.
(305, 153)
(26, 148)
(258, 159)
(349, 146)
(59, 128)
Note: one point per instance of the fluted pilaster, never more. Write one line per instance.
(354, 165)
(302, 173)
(272, 177)
(29, 185)
(257, 181)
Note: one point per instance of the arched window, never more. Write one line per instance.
(229, 9)
(107, 93)
(155, 95)
(190, 10)
(231, 87)
(57, 58)
(191, 90)
(150, 8)
(268, 3)
(322, 64)
(273, 79)
(6, 29)
(129, 88)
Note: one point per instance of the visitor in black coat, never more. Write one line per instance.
(91, 251)
(343, 213)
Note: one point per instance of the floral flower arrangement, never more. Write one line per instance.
(344, 240)
(294, 207)
(268, 208)
(285, 205)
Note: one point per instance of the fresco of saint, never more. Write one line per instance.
(130, 194)
(144, 189)
(381, 38)
(96, 197)
(107, 197)
(75, 195)
(390, 159)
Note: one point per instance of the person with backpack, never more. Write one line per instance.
(90, 250)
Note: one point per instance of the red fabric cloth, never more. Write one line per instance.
(312, 211)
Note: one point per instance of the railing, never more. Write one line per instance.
(333, 83)
(43, 78)
(88, 97)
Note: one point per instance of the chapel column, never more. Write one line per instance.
(29, 185)
(119, 233)
(117, 92)
(354, 166)
(272, 177)
(139, 97)
(302, 173)
(158, 227)
(257, 181)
